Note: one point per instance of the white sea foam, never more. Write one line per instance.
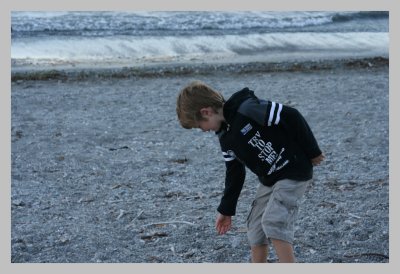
(125, 49)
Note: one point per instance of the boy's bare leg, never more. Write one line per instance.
(259, 253)
(284, 251)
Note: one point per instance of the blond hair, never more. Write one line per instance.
(192, 99)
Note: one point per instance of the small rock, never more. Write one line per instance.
(18, 134)
(18, 203)
(349, 222)
(64, 240)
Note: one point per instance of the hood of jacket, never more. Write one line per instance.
(232, 105)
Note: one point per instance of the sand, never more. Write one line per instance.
(102, 172)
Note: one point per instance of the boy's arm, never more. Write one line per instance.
(271, 114)
(298, 128)
(234, 179)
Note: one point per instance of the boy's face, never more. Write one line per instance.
(212, 120)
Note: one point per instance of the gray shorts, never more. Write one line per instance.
(274, 211)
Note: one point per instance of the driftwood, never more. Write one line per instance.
(366, 254)
(170, 222)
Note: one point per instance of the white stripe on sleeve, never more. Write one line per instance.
(271, 114)
(278, 114)
(228, 157)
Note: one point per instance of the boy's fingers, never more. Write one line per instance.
(221, 230)
(224, 229)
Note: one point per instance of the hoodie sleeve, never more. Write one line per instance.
(234, 179)
(293, 122)
(272, 114)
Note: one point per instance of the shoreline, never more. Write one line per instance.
(179, 69)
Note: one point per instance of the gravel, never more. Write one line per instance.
(102, 171)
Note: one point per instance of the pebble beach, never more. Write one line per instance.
(101, 171)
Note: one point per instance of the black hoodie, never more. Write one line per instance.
(272, 140)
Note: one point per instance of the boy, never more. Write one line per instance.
(273, 141)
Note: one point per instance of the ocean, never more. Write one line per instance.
(129, 39)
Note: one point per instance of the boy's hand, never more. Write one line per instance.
(317, 160)
(223, 223)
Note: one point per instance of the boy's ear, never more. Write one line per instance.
(205, 112)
